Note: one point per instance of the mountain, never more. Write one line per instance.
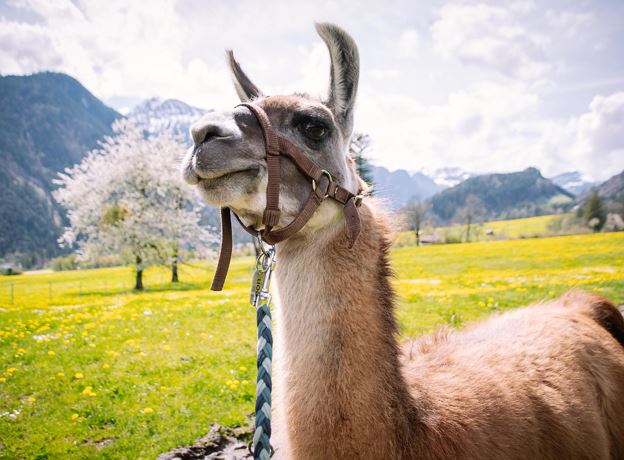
(573, 182)
(48, 121)
(499, 196)
(156, 116)
(450, 176)
(611, 191)
(399, 186)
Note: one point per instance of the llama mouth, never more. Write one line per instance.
(208, 183)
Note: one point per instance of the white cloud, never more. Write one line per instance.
(116, 48)
(409, 42)
(33, 42)
(599, 144)
(478, 93)
(492, 37)
(494, 127)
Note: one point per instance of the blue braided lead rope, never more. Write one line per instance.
(262, 433)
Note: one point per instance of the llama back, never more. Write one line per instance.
(599, 309)
(557, 358)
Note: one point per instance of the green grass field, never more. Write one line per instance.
(91, 369)
(529, 227)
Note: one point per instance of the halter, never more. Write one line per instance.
(277, 147)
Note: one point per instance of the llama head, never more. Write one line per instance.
(228, 164)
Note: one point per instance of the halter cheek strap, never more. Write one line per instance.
(276, 147)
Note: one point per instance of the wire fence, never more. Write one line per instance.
(52, 288)
(13, 293)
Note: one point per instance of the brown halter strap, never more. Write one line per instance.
(277, 146)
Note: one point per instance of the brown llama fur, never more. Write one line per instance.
(543, 382)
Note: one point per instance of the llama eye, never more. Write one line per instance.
(314, 131)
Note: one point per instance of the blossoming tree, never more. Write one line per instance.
(126, 198)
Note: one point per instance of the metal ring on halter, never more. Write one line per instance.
(330, 179)
(261, 243)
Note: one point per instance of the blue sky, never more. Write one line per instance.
(485, 86)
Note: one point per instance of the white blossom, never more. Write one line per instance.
(127, 199)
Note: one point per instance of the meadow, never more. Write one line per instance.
(528, 227)
(91, 369)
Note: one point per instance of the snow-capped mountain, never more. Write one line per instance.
(399, 187)
(156, 115)
(573, 182)
(449, 177)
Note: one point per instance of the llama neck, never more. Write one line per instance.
(339, 366)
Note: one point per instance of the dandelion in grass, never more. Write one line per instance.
(88, 391)
(147, 410)
(74, 417)
(78, 375)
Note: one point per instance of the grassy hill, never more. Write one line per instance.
(528, 227)
(93, 370)
(48, 121)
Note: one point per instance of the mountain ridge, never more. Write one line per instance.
(499, 196)
(48, 121)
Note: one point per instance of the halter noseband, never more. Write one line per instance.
(277, 146)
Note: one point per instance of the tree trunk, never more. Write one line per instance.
(174, 270)
(138, 285)
(417, 237)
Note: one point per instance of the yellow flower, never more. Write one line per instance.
(147, 410)
(551, 292)
(242, 369)
(105, 366)
(166, 347)
(78, 375)
(31, 399)
(60, 374)
(74, 417)
(91, 345)
(51, 353)
(21, 351)
(88, 391)
(2, 379)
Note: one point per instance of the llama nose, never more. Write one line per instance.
(214, 125)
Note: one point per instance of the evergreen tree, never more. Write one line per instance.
(360, 143)
(594, 212)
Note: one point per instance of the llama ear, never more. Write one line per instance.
(245, 88)
(344, 73)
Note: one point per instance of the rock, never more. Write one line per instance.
(221, 443)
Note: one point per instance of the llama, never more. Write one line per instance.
(543, 382)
